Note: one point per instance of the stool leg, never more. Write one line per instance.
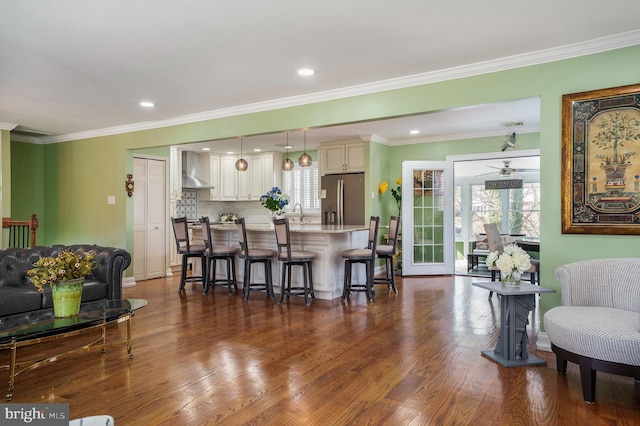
(369, 282)
(393, 276)
(283, 282)
(247, 278)
(305, 283)
(228, 259)
(183, 273)
(269, 279)
(206, 277)
(345, 287)
(310, 266)
(235, 276)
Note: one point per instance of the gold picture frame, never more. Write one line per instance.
(601, 161)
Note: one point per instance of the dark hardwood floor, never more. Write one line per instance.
(407, 359)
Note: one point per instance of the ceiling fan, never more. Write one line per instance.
(507, 170)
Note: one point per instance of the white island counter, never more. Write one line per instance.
(327, 241)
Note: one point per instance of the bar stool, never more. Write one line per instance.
(387, 252)
(188, 250)
(289, 258)
(364, 255)
(214, 253)
(251, 256)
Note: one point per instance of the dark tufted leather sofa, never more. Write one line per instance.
(18, 295)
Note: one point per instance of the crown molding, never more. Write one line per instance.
(461, 136)
(590, 47)
(8, 126)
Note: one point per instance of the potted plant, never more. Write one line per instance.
(274, 200)
(65, 274)
(512, 263)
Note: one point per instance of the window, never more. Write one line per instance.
(302, 186)
(516, 211)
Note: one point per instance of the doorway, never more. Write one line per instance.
(503, 188)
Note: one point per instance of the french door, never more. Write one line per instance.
(427, 218)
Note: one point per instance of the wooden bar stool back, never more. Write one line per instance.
(367, 256)
(188, 250)
(214, 253)
(387, 253)
(288, 258)
(251, 256)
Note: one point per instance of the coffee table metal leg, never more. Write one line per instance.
(12, 370)
(129, 352)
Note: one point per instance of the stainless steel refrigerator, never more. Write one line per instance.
(343, 199)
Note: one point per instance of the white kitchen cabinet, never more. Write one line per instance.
(212, 164)
(261, 175)
(342, 157)
(228, 178)
(175, 174)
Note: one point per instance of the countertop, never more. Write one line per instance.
(293, 228)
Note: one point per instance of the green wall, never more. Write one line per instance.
(80, 174)
(27, 191)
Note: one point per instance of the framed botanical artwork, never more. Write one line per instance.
(601, 161)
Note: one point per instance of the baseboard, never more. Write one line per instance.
(128, 282)
(544, 344)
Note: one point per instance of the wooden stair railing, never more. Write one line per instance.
(22, 233)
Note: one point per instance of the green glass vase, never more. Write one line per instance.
(66, 297)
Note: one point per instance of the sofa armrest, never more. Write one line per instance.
(111, 264)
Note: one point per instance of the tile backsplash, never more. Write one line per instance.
(188, 205)
(253, 212)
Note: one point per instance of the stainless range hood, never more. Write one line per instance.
(194, 174)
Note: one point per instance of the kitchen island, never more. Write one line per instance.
(327, 241)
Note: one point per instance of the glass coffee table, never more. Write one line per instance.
(31, 328)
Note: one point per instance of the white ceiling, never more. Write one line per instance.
(71, 67)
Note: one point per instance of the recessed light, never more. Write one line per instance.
(414, 132)
(206, 149)
(256, 150)
(147, 104)
(306, 72)
(288, 146)
(230, 152)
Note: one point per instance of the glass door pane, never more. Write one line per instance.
(427, 194)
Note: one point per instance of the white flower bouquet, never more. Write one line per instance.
(512, 260)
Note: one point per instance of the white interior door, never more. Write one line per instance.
(149, 212)
(427, 218)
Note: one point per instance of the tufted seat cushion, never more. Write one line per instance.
(259, 253)
(385, 250)
(356, 254)
(596, 332)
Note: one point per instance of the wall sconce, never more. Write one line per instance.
(129, 185)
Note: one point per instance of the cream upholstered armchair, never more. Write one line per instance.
(598, 324)
(495, 243)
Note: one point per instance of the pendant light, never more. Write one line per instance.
(241, 164)
(287, 164)
(305, 159)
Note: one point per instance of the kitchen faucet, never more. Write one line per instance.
(301, 213)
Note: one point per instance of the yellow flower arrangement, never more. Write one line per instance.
(64, 267)
(396, 192)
